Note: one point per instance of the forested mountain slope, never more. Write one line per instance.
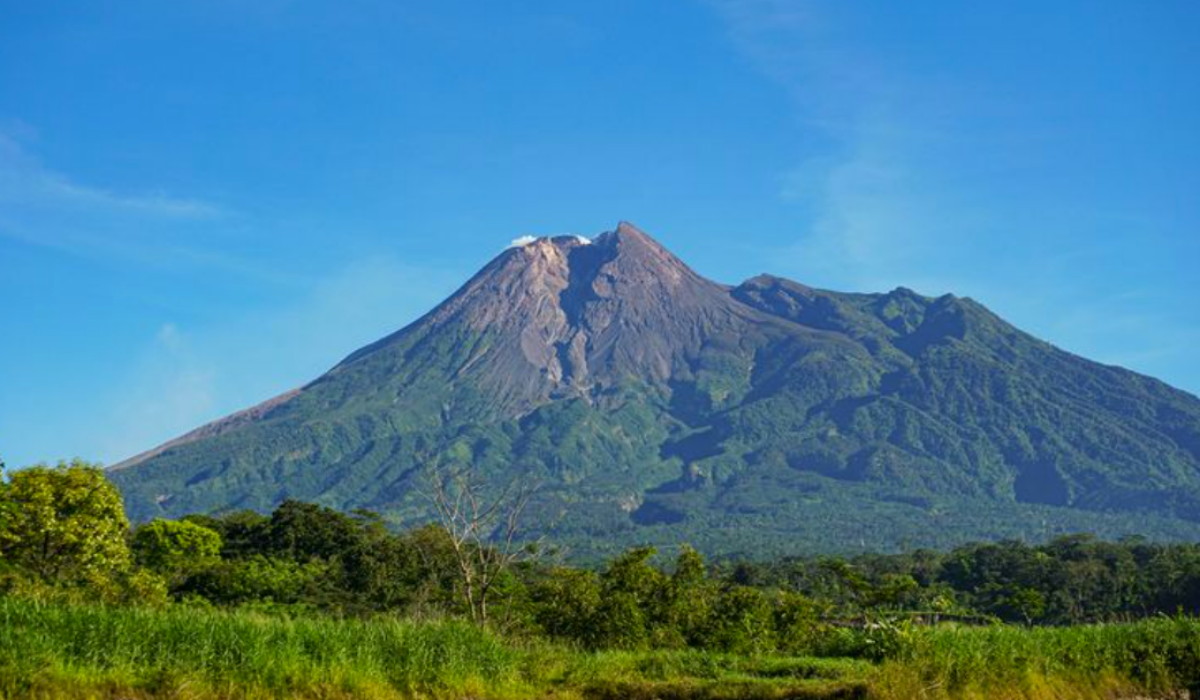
(651, 404)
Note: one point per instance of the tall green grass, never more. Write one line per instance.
(65, 651)
(207, 653)
(1157, 657)
(103, 653)
(701, 675)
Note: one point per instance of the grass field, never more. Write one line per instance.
(56, 651)
(1151, 658)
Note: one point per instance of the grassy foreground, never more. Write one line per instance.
(1157, 658)
(56, 651)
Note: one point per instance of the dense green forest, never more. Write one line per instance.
(64, 531)
(115, 596)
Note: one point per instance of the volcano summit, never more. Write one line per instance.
(653, 405)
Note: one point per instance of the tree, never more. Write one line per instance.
(796, 620)
(4, 504)
(306, 531)
(244, 533)
(64, 524)
(565, 605)
(741, 621)
(174, 547)
(631, 596)
(688, 597)
(259, 579)
(483, 532)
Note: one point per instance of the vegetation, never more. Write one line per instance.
(63, 531)
(482, 532)
(767, 420)
(63, 524)
(1156, 657)
(309, 602)
(59, 651)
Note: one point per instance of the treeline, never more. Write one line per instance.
(63, 534)
(1073, 579)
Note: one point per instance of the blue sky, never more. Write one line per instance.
(205, 203)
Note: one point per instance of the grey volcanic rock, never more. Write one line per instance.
(571, 318)
(653, 404)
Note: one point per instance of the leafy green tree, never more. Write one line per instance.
(741, 622)
(259, 579)
(797, 618)
(1019, 603)
(64, 524)
(566, 602)
(304, 531)
(4, 504)
(630, 590)
(632, 573)
(415, 571)
(244, 533)
(172, 548)
(620, 622)
(688, 597)
(893, 591)
(437, 578)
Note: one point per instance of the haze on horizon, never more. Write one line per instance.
(203, 204)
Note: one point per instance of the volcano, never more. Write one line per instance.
(650, 404)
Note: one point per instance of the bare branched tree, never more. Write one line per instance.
(483, 531)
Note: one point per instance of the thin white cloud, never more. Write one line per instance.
(58, 189)
(43, 207)
(26, 182)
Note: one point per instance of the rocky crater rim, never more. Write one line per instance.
(623, 230)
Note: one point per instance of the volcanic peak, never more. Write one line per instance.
(648, 399)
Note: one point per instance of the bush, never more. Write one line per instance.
(256, 579)
(741, 622)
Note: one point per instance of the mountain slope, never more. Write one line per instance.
(651, 404)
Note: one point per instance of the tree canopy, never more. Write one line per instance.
(64, 523)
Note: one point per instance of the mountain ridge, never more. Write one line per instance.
(653, 402)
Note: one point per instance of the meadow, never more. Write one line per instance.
(57, 650)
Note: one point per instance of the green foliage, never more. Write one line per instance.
(138, 588)
(242, 532)
(797, 618)
(310, 557)
(566, 603)
(389, 573)
(258, 579)
(199, 653)
(308, 531)
(629, 592)
(741, 622)
(89, 652)
(1153, 658)
(64, 524)
(631, 629)
(174, 547)
(688, 599)
(305, 560)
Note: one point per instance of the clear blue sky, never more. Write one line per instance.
(204, 203)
